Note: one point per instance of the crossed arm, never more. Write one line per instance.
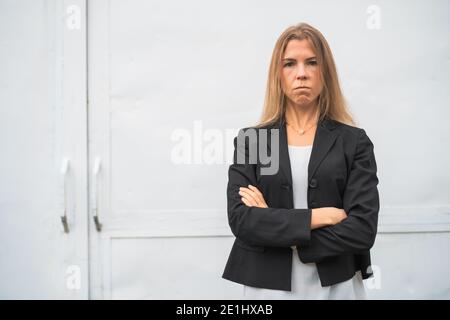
(320, 217)
(320, 233)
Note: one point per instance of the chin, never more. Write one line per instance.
(302, 102)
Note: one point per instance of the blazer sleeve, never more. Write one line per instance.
(357, 232)
(272, 227)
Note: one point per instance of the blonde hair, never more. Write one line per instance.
(331, 101)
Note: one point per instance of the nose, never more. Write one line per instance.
(301, 72)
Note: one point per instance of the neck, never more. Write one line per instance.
(303, 116)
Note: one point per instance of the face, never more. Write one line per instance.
(300, 74)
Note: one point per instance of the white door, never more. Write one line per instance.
(43, 162)
(155, 69)
(164, 232)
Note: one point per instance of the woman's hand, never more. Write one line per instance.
(252, 197)
(326, 216)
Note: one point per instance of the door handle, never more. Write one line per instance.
(97, 167)
(64, 170)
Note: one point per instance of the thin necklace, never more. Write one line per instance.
(301, 131)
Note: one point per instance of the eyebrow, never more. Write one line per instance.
(292, 59)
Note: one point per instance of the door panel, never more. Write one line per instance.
(160, 219)
(42, 125)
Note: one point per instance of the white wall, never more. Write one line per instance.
(156, 66)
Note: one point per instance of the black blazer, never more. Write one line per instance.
(342, 173)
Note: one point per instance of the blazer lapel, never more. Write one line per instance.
(323, 141)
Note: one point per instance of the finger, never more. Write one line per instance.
(245, 201)
(258, 195)
(249, 199)
(255, 189)
(250, 195)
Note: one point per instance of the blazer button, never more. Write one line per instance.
(313, 203)
(313, 183)
(285, 186)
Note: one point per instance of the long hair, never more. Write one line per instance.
(331, 101)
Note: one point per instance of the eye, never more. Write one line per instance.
(289, 64)
(312, 62)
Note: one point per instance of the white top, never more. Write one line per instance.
(305, 278)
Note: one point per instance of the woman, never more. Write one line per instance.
(305, 231)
